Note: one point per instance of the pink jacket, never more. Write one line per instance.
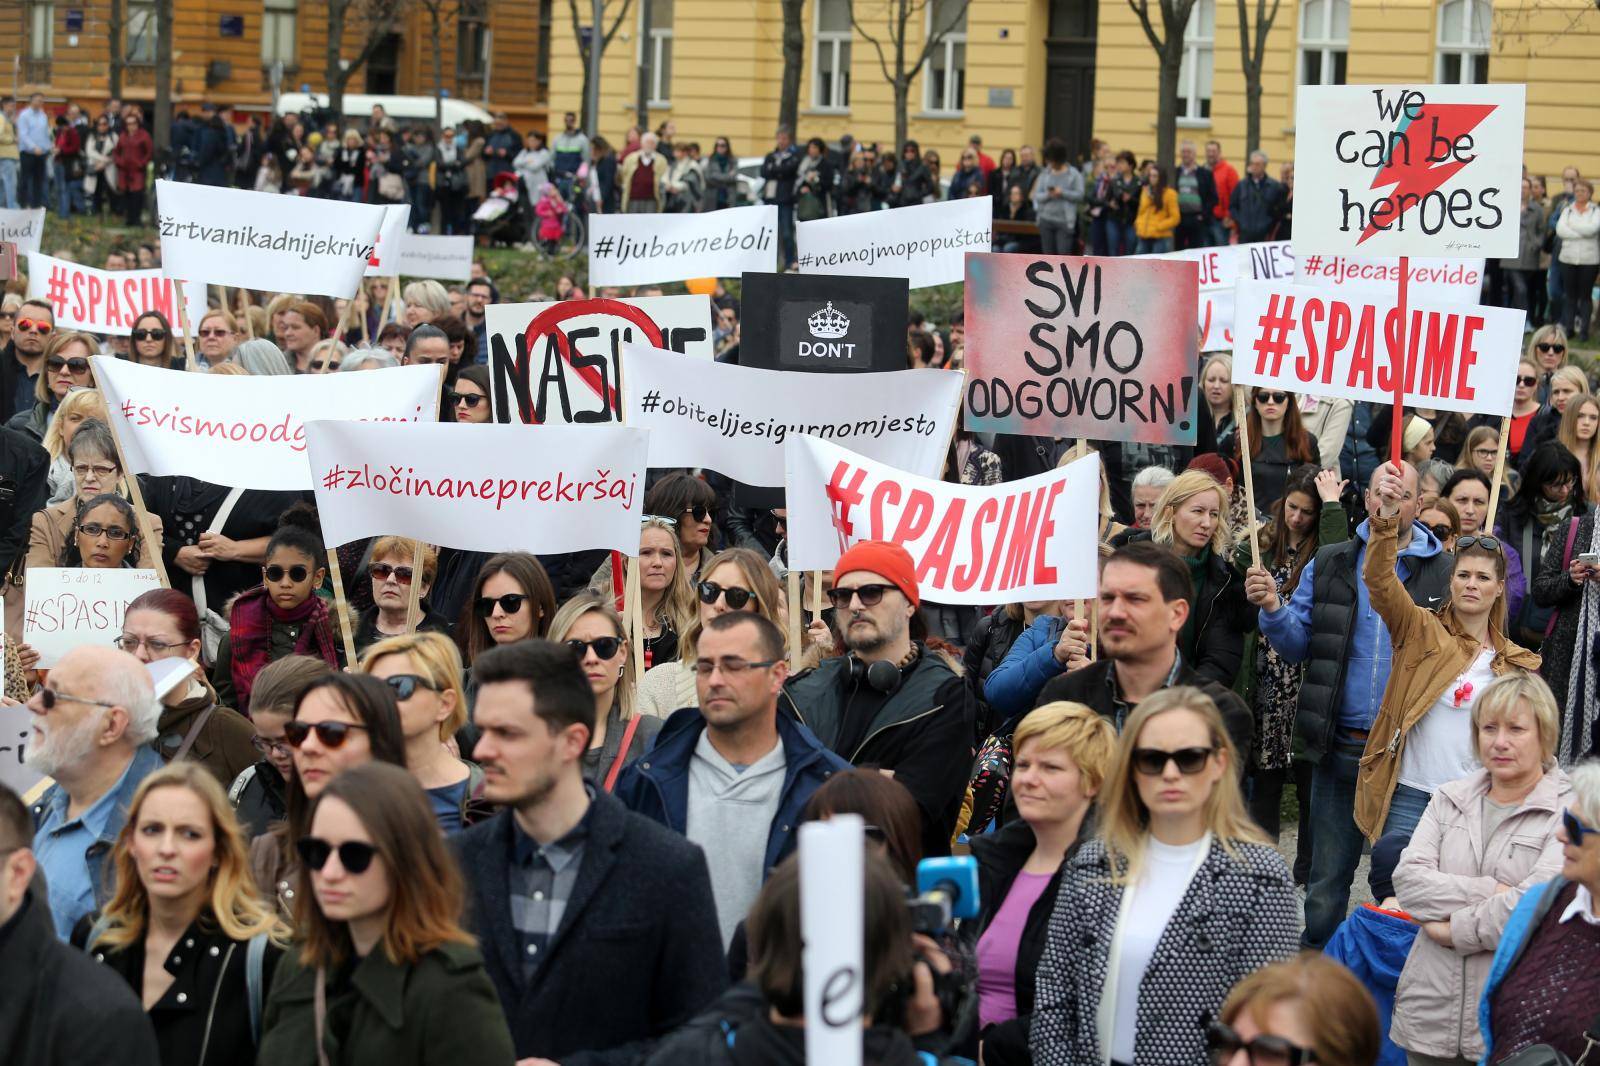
(1449, 872)
(552, 218)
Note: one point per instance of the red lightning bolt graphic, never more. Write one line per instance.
(1411, 170)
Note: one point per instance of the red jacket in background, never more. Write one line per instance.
(1226, 178)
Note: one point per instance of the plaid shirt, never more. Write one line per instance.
(541, 883)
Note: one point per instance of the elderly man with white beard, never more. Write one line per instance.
(92, 727)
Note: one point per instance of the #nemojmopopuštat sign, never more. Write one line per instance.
(1034, 539)
(1065, 346)
(926, 244)
(1430, 170)
(68, 607)
(641, 249)
(544, 489)
(22, 228)
(1330, 342)
(734, 419)
(247, 432)
(561, 362)
(108, 301)
(262, 240)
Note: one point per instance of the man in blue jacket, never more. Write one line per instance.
(1329, 625)
(734, 774)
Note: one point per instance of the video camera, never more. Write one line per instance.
(947, 888)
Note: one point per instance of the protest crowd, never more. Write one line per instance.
(302, 798)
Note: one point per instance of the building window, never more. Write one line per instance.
(830, 55)
(657, 57)
(1324, 41)
(472, 36)
(141, 32)
(542, 64)
(41, 30)
(1464, 27)
(946, 84)
(1194, 76)
(279, 23)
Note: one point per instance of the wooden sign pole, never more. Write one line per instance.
(1242, 422)
(183, 324)
(141, 513)
(796, 608)
(1499, 476)
(342, 605)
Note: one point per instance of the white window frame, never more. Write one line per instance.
(1321, 41)
(41, 30)
(658, 40)
(946, 49)
(838, 42)
(1473, 56)
(151, 27)
(1194, 46)
(274, 13)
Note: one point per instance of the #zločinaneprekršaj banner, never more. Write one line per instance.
(1034, 539)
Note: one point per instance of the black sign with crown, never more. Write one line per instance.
(823, 324)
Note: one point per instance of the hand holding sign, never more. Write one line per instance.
(1390, 485)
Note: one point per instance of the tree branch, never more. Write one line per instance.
(877, 46)
(1142, 9)
(612, 32)
(936, 37)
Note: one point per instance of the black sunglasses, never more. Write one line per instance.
(1526, 381)
(1264, 1050)
(275, 573)
(149, 334)
(699, 511)
(469, 399)
(77, 364)
(604, 647)
(317, 364)
(329, 734)
(737, 598)
(1441, 531)
(1153, 761)
(871, 596)
(1272, 397)
(1480, 540)
(381, 572)
(1576, 830)
(354, 856)
(510, 603)
(405, 685)
(1546, 346)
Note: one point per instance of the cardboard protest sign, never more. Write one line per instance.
(1062, 346)
(108, 301)
(22, 228)
(544, 489)
(385, 258)
(925, 244)
(16, 733)
(247, 432)
(1034, 539)
(1432, 170)
(262, 240)
(68, 607)
(832, 936)
(640, 249)
(559, 363)
(1333, 343)
(823, 323)
(735, 419)
(431, 256)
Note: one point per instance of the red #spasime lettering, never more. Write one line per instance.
(398, 482)
(288, 430)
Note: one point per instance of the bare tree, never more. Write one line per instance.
(898, 59)
(794, 57)
(114, 23)
(591, 122)
(441, 14)
(1252, 54)
(163, 116)
(1168, 45)
(377, 19)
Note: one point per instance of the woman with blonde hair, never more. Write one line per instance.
(215, 336)
(592, 628)
(1580, 425)
(1216, 386)
(185, 926)
(1302, 1010)
(425, 301)
(1136, 941)
(666, 595)
(65, 367)
(76, 406)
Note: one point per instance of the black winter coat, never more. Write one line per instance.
(24, 489)
(991, 640)
(258, 798)
(1553, 587)
(1221, 616)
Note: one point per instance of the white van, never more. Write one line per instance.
(406, 110)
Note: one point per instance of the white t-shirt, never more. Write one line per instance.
(1163, 880)
(1440, 747)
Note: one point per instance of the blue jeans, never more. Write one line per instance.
(1405, 810)
(1119, 237)
(1218, 232)
(1157, 246)
(1336, 843)
(8, 183)
(69, 192)
(786, 246)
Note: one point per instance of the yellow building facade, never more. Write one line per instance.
(1022, 70)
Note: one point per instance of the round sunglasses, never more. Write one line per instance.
(354, 855)
(275, 573)
(510, 603)
(382, 571)
(329, 734)
(737, 598)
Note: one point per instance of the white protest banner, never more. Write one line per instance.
(22, 228)
(1330, 342)
(263, 240)
(926, 244)
(384, 260)
(1431, 170)
(1034, 539)
(68, 607)
(1220, 268)
(544, 489)
(832, 937)
(640, 249)
(734, 419)
(1433, 281)
(16, 733)
(247, 432)
(558, 363)
(107, 301)
(433, 256)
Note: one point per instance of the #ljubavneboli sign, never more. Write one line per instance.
(640, 249)
(247, 432)
(734, 419)
(1023, 540)
(108, 301)
(22, 228)
(544, 489)
(1429, 170)
(68, 607)
(263, 240)
(1339, 343)
(926, 244)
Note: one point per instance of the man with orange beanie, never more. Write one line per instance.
(890, 703)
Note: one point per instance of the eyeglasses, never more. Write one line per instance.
(510, 603)
(1264, 1050)
(1153, 761)
(604, 647)
(8, 315)
(156, 647)
(318, 364)
(99, 470)
(49, 697)
(32, 325)
(731, 667)
(737, 598)
(1442, 531)
(1272, 397)
(149, 334)
(276, 573)
(469, 400)
(1480, 541)
(382, 571)
(269, 746)
(95, 529)
(698, 511)
(1486, 453)
(77, 364)
(1527, 382)
(1576, 830)
(870, 595)
(1546, 346)
(215, 333)
(354, 855)
(655, 519)
(329, 734)
(405, 685)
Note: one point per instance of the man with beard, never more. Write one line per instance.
(890, 703)
(92, 726)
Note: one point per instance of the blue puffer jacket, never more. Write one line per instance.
(1532, 908)
(1373, 945)
(1012, 687)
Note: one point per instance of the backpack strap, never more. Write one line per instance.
(254, 969)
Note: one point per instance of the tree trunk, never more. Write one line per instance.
(641, 114)
(114, 36)
(336, 74)
(163, 115)
(438, 71)
(1167, 105)
(1252, 113)
(902, 106)
(794, 54)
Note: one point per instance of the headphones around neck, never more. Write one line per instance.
(880, 674)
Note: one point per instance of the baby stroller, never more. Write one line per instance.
(506, 216)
